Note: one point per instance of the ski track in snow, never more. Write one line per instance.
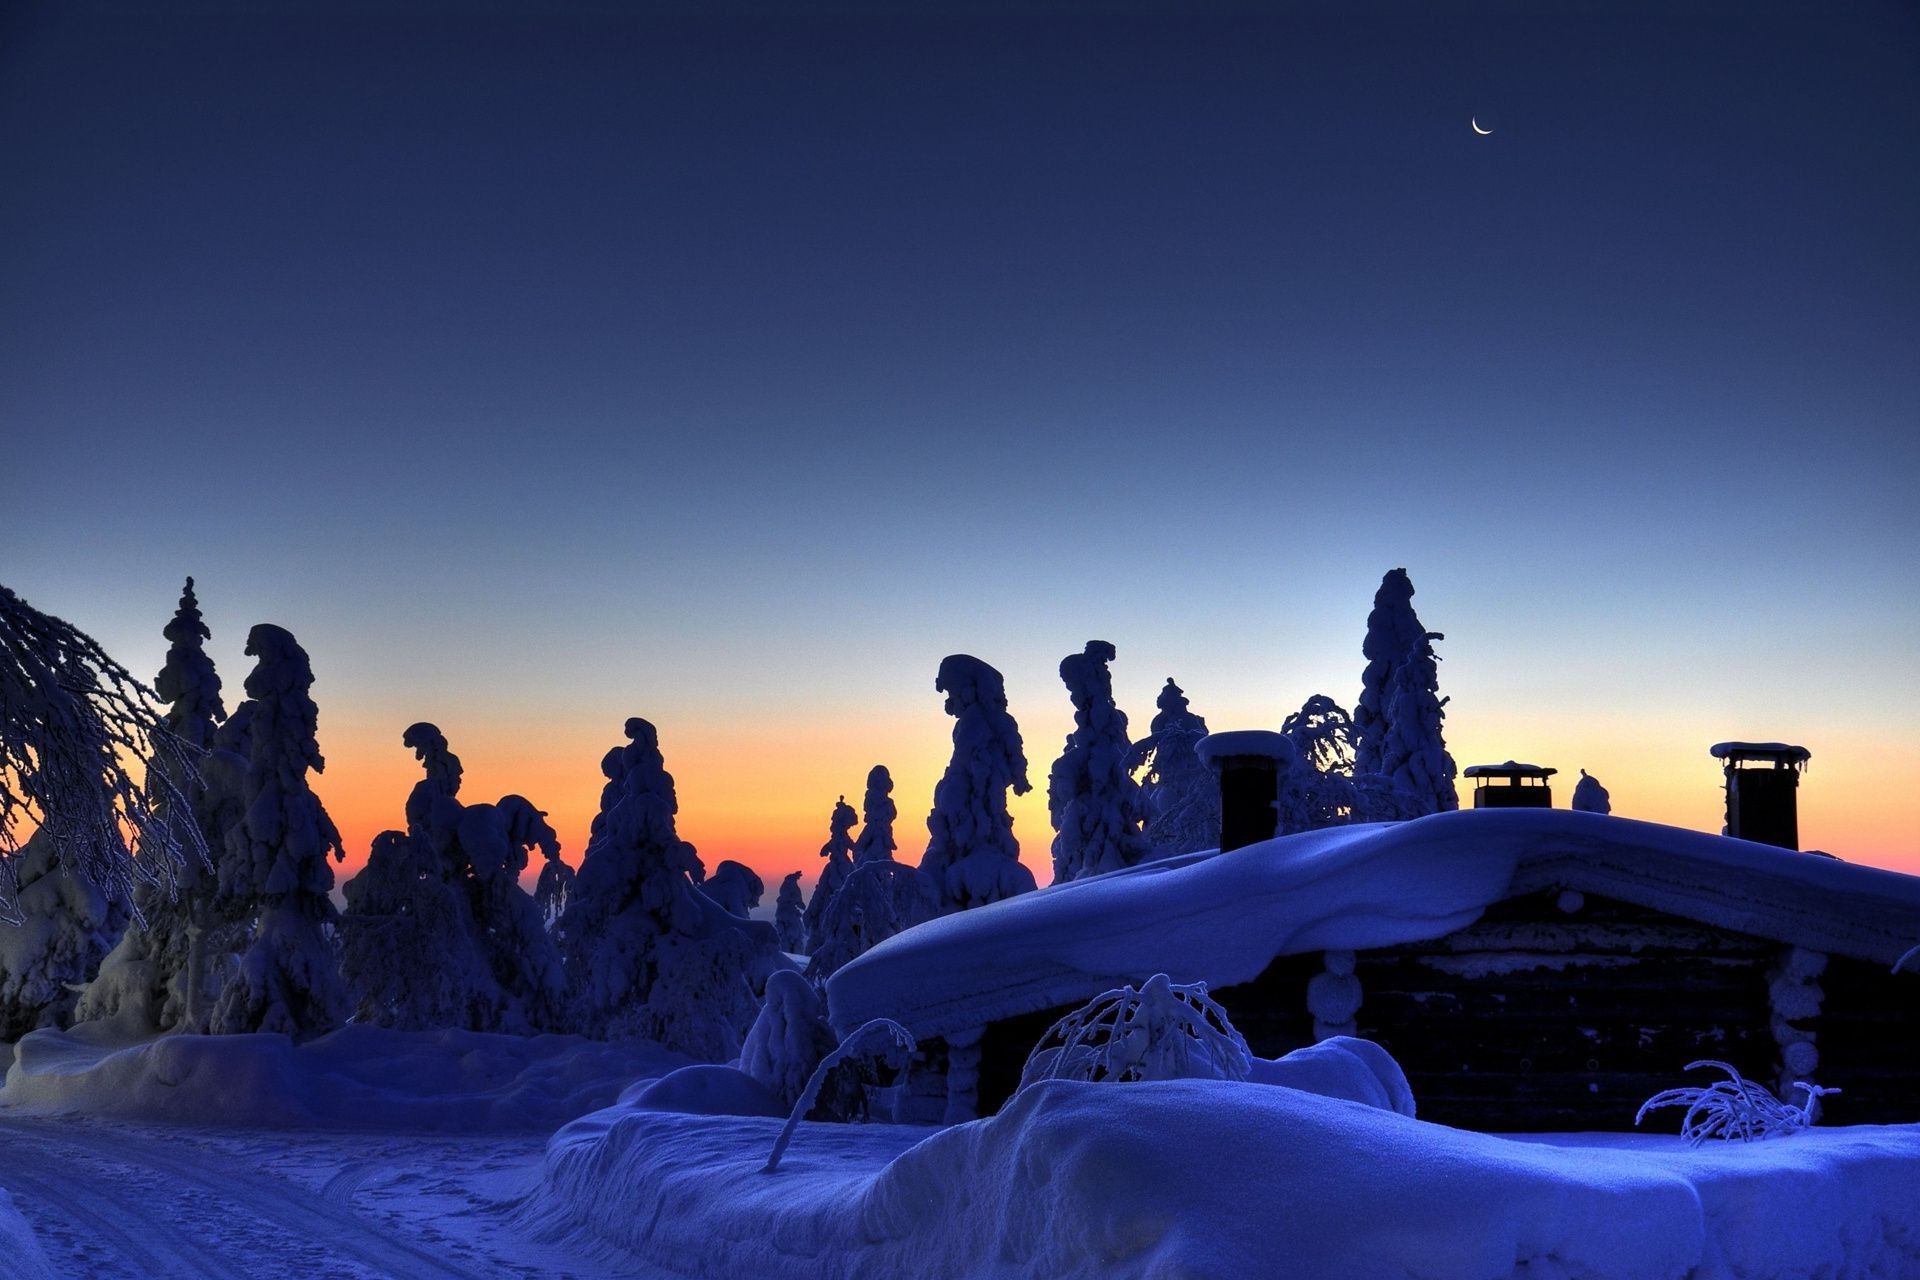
(139, 1202)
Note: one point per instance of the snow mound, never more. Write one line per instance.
(1222, 918)
(360, 1077)
(21, 1257)
(1221, 1178)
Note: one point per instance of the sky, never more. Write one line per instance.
(730, 366)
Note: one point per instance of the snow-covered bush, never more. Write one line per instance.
(735, 886)
(1589, 796)
(1734, 1109)
(790, 915)
(86, 759)
(878, 1048)
(789, 1038)
(1091, 797)
(288, 979)
(838, 851)
(1162, 1031)
(1179, 795)
(1415, 753)
(1393, 629)
(878, 900)
(67, 928)
(877, 812)
(971, 852)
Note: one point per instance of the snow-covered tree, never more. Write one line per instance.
(1589, 796)
(1393, 629)
(879, 899)
(68, 926)
(167, 968)
(554, 889)
(493, 843)
(433, 805)
(735, 886)
(85, 758)
(288, 979)
(1179, 795)
(971, 852)
(1318, 791)
(877, 813)
(838, 851)
(790, 915)
(1092, 798)
(407, 947)
(788, 1038)
(1416, 756)
(1162, 1031)
(647, 954)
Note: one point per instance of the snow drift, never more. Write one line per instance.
(360, 1077)
(21, 1257)
(1222, 918)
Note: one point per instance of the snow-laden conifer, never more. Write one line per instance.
(971, 852)
(788, 1038)
(1092, 798)
(790, 915)
(838, 851)
(1416, 756)
(408, 951)
(68, 925)
(877, 812)
(879, 899)
(288, 979)
(735, 886)
(1393, 629)
(1589, 796)
(1318, 791)
(1179, 794)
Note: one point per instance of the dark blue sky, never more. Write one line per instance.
(793, 349)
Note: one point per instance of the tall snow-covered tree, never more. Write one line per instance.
(971, 851)
(790, 915)
(647, 954)
(554, 889)
(288, 979)
(67, 929)
(85, 758)
(1589, 796)
(1416, 756)
(407, 947)
(838, 851)
(1392, 631)
(877, 812)
(1179, 795)
(167, 968)
(1092, 798)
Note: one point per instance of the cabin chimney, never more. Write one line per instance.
(1250, 765)
(1510, 786)
(1763, 785)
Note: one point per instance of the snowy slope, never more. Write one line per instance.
(1223, 918)
(359, 1077)
(21, 1257)
(1224, 1179)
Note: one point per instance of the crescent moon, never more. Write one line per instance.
(1475, 122)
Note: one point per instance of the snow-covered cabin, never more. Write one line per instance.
(1531, 969)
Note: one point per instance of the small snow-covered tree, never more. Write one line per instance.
(1589, 796)
(788, 1038)
(735, 886)
(1179, 795)
(971, 851)
(1416, 756)
(554, 889)
(838, 851)
(68, 926)
(1318, 791)
(647, 954)
(1092, 798)
(790, 915)
(288, 979)
(1393, 629)
(877, 813)
(407, 948)
(1162, 1031)
(493, 843)
(879, 899)
(85, 758)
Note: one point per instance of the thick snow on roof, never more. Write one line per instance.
(1244, 742)
(1511, 769)
(1223, 918)
(1759, 750)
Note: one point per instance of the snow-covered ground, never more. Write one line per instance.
(1220, 1179)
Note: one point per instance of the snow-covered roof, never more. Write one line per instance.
(1245, 742)
(1760, 751)
(1511, 769)
(1223, 917)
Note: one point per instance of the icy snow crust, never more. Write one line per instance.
(360, 1077)
(1229, 1180)
(1222, 918)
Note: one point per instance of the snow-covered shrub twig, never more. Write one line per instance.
(1163, 1031)
(1734, 1109)
(1911, 954)
(897, 1047)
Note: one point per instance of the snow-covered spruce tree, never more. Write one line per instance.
(493, 843)
(66, 931)
(288, 979)
(1093, 800)
(735, 886)
(789, 1037)
(879, 899)
(838, 851)
(790, 915)
(1416, 756)
(1179, 795)
(1318, 791)
(971, 853)
(84, 757)
(1392, 631)
(407, 947)
(877, 813)
(554, 889)
(647, 954)
(1589, 796)
(165, 972)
